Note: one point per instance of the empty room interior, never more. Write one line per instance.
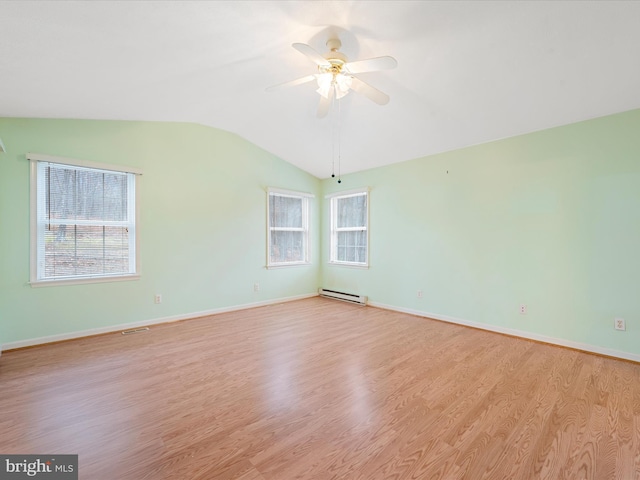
(269, 240)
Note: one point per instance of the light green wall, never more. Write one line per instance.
(549, 219)
(202, 225)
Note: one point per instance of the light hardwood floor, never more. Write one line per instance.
(319, 389)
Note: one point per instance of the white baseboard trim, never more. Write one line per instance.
(515, 333)
(145, 323)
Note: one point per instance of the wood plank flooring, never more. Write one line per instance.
(319, 389)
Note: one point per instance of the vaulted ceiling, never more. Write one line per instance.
(468, 72)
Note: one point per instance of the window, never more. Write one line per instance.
(288, 225)
(83, 225)
(350, 229)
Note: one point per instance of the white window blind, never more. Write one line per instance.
(288, 225)
(349, 229)
(85, 220)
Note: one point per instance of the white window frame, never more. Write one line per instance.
(306, 213)
(37, 221)
(334, 230)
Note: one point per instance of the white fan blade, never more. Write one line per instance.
(325, 103)
(292, 83)
(370, 92)
(314, 56)
(372, 65)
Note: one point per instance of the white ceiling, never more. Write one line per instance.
(468, 72)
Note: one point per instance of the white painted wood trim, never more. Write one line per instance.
(41, 157)
(585, 347)
(145, 323)
(290, 193)
(349, 193)
(57, 282)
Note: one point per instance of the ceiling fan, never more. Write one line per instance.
(337, 76)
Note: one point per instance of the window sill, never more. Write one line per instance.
(287, 265)
(360, 266)
(82, 281)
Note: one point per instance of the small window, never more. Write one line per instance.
(83, 222)
(288, 225)
(350, 229)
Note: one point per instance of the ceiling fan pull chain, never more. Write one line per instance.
(339, 138)
(333, 140)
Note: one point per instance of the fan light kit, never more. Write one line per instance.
(336, 76)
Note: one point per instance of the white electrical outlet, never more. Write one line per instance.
(523, 309)
(419, 294)
(157, 298)
(619, 324)
(256, 287)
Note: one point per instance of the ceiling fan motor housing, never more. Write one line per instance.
(336, 59)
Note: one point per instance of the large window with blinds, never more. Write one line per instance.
(350, 229)
(84, 223)
(288, 228)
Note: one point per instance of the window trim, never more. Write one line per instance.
(333, 229)
(34, 158)
(306, 226)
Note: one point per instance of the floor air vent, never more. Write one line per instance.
(135, 330)
(347, 297)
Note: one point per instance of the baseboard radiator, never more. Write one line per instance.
(346, 297)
